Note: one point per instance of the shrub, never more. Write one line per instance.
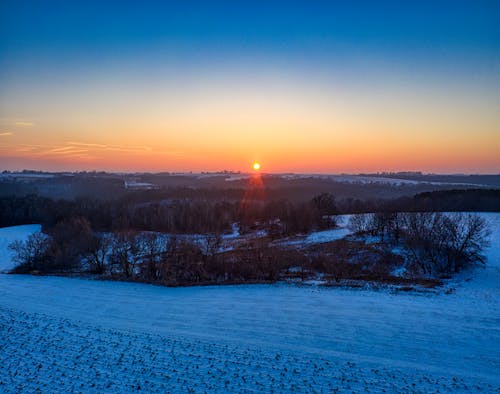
(441, 244)
(30, 255)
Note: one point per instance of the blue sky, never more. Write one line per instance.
(130, 56)
(312, 32)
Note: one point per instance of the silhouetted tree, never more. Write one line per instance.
(31, 254)
(97, 252)
(442, 244)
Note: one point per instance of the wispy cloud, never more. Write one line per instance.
(77, 150)
(86, 144)
(113, 148)
(5, 133)
(66, 149)
(24, 124)
(129, 149)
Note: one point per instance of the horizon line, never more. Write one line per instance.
(191, 172)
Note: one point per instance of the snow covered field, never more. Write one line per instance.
(75, 335)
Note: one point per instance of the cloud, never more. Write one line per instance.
(50, 152)
(66, 149)
(25, 124)
(113, 148)
(128, 149)
(86, 144)
(81, 151)
(5, 133)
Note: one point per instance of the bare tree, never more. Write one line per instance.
(152, 249)
(97, 252)
(31, 255)
(444, 244)
(211, 244)
(125, 251)
(468, 237)
(360, 222)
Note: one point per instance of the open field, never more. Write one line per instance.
(75, 335)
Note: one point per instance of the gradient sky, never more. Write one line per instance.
(299, 86)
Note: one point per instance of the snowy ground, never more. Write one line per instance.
(362, 180)
(317, 237)
(74, 335)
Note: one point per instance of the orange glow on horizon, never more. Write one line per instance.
(294, 127)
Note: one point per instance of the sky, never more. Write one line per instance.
(312, 86)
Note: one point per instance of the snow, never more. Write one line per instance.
(363, 180)
(68, 335)
(235, 232)
(315, 282)
(327, 235)
(9, 235)
(399, 272)
(237, 177)
(372, 179)
(138, 185)
(323, 236)
(27, 175)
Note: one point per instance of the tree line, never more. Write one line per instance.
(72, 247)
(211, 210)
(128, 238)
(173, 216)
(435, 244)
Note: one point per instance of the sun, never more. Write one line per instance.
(256, 166)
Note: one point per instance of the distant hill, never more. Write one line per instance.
(479, 180)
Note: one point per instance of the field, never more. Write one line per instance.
(75, 335)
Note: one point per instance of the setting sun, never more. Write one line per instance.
(256, 166)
